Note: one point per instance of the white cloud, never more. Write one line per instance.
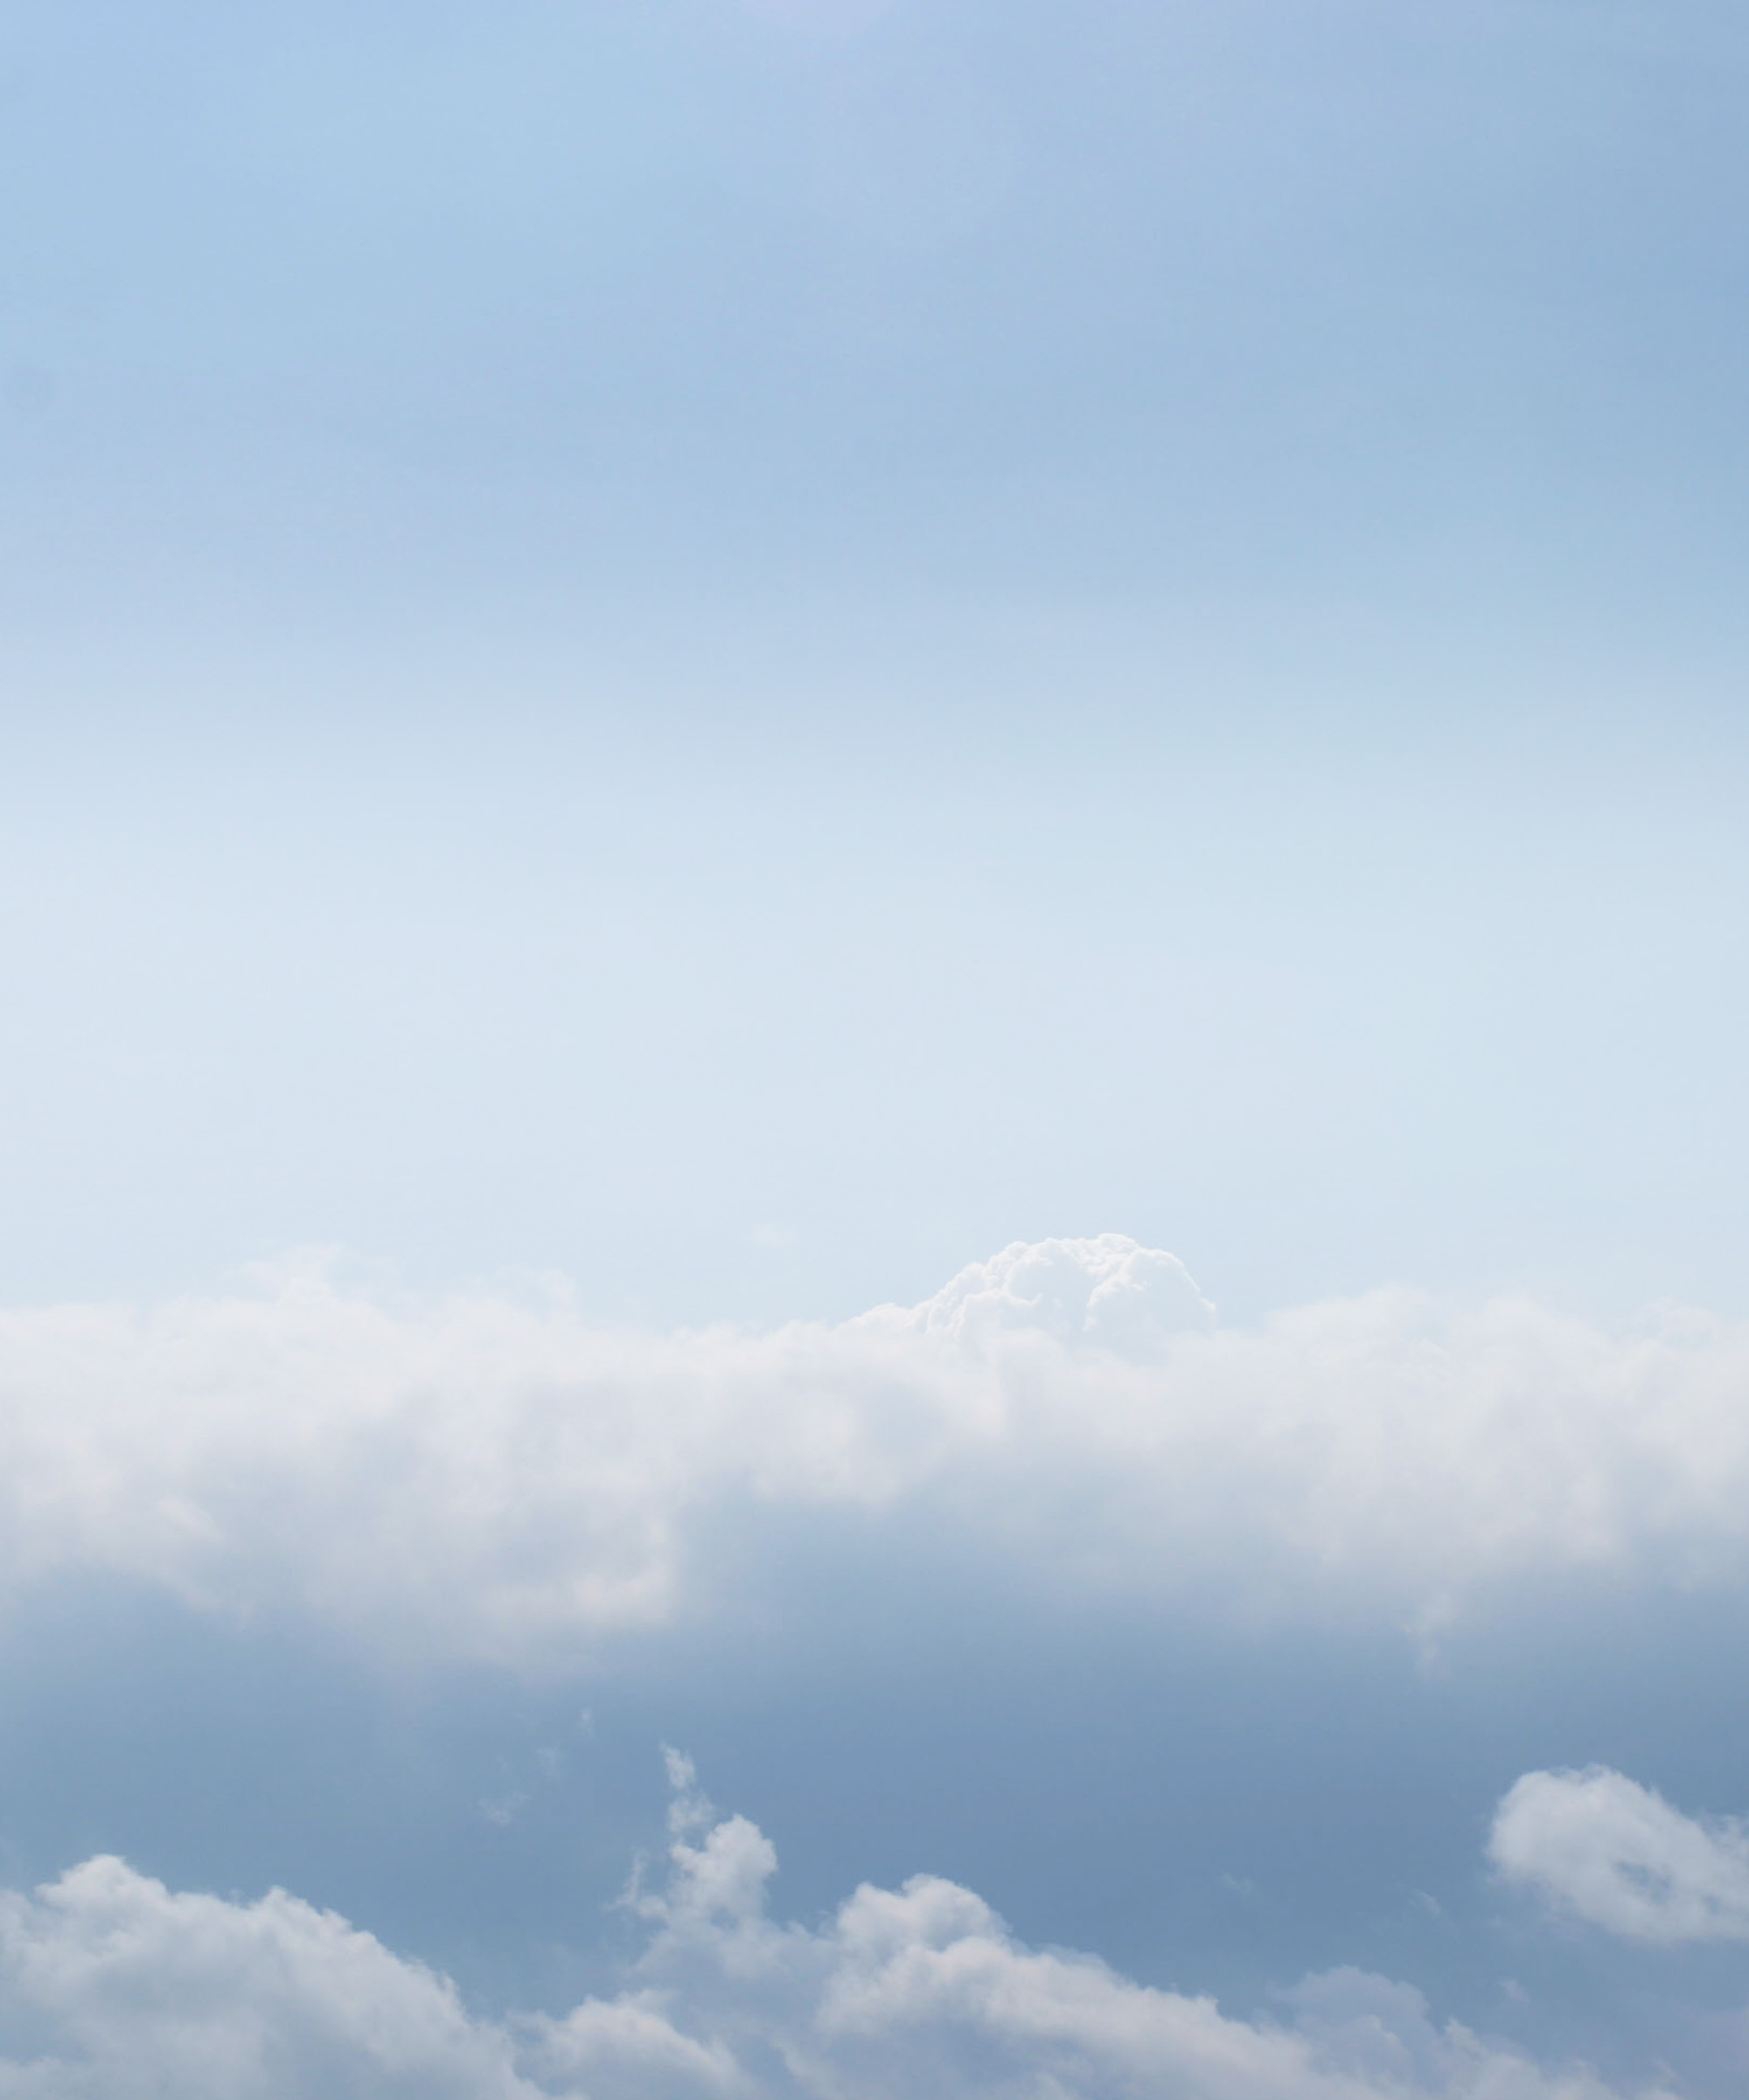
(1615, 1853)
(1107, 1292)
(499, 1480)
(112, 1988)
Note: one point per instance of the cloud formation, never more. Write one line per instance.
(1605, 1849)
(114, 1988)
(492, 1478)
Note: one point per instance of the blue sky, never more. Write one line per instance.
(667, 674)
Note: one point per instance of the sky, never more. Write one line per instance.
(870, 910)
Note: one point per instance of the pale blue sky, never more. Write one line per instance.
(735, 1023)
(885, 627)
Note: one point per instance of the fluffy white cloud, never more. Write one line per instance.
(501, 1480)
(1614, 1852)
(112, 1988)
(1106, 1292)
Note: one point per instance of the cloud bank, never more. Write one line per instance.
(484, 1477)
(1605, 1849)
(112, 1988)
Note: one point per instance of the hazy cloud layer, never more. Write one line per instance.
(112, 1985)
(496, 1478)
(1615, 1853)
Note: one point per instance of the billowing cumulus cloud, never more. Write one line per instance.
(500, 1480)
(1614, 1852)
(114, 1988)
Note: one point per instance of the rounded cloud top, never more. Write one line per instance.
(1108, 1292)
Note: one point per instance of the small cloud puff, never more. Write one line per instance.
(114, 1988)
(1599, 1847)
(1108, 1292)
